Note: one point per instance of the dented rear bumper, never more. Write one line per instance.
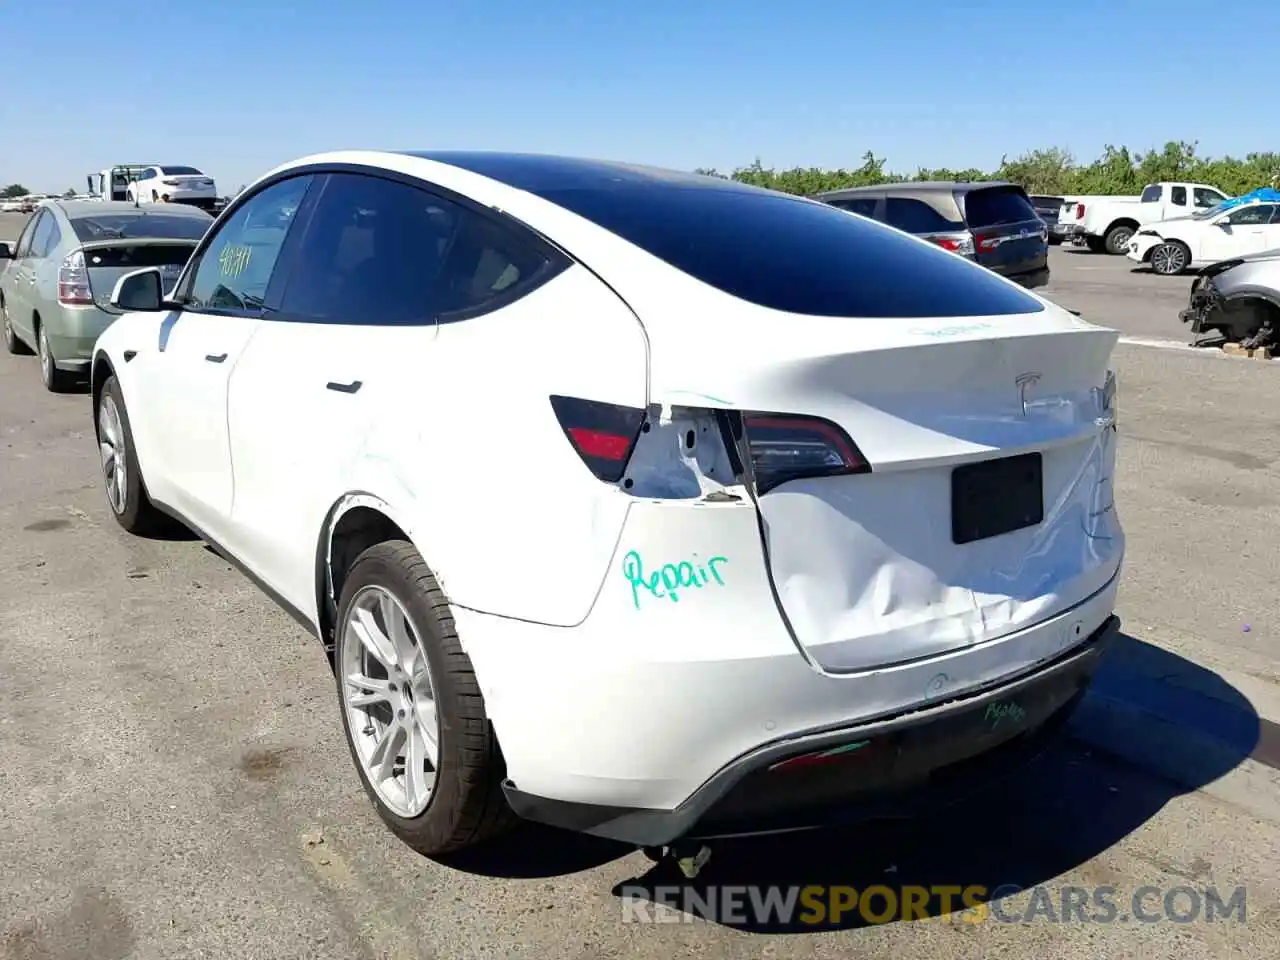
(902, 765)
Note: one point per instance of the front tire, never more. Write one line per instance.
(411, 707)
(1170, 258)
(122, 479)
(55, 380)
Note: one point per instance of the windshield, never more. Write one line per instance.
(136, 226)
(181, 172)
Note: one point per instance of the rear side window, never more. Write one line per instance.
(994, 206)
(1151, 193)
(1178, 195)
(863, 205)
(793, 255)
(916, 216)
(381, 252)
(44, 232)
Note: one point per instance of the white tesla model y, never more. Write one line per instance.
(637, 502)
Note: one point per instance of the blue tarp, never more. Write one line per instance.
(1264, 194)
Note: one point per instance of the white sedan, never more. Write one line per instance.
(642, 503)
(1219, 233)
(178, 184)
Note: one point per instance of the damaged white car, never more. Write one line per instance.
(641, 503)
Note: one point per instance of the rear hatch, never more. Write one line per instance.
(975, 494)
(1008, 236)
(106, 261)
(1047, 208)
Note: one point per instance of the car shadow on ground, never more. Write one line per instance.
(1074, 802)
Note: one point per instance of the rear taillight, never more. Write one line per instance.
(73, 280)
(1079, 211)
(961, 243)
(603, 434)
(790, 447)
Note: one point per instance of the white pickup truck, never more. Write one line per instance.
(1107, 223)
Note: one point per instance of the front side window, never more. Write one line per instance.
(1151, 194)
(382, 252)
(236, 267)
(1257, 214)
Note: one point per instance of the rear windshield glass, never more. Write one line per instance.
(794, 255)
(993, 206)
(1048, 203)
(135, 258)
(131, 226)
(180, 171)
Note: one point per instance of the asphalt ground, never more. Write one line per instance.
(174, 783)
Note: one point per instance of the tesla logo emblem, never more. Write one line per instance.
(1025, 382)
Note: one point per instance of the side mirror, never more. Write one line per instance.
(6, 253)
(139, 290)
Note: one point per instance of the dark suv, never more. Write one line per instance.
(991, 222)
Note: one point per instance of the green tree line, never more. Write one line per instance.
(1052, 171)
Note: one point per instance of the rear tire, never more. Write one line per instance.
(55, 380)
(1118, 238)
(1095, 244)
(122, 478)
(1170, 258)
(465, 805)
(11, 341)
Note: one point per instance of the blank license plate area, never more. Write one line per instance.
(996, 496)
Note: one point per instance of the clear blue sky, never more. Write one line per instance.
(236, 86)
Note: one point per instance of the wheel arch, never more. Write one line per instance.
(1121, 222)
(356, 521)
(100, 372)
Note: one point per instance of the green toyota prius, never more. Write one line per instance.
(56, 281)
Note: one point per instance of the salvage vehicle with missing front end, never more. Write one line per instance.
(793, 511)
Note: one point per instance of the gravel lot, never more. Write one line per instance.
(170, 750)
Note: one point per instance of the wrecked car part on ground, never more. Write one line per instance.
(1236, 301)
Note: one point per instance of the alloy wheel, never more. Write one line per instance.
(46, 358)
(389, 699)
(1168, 259)
(115, 455)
